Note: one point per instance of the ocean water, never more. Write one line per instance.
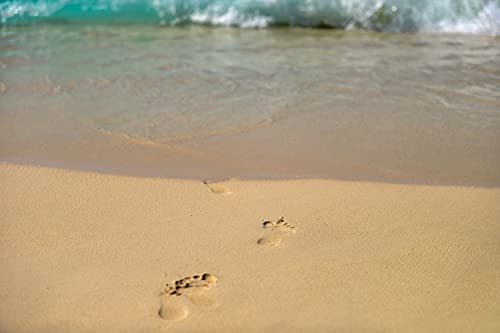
(104, 86)
(465, 16)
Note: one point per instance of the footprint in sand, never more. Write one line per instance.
(276, 230)
(216, 187)
(174, 306)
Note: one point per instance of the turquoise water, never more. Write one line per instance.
(464, 16)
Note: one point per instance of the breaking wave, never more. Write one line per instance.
(456, 16)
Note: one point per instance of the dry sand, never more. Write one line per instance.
(84, 252)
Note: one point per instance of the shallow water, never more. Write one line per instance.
(204, 102)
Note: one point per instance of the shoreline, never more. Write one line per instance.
(200, 177)
(219, 103)
(83, 251)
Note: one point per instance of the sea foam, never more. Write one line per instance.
(455, 16)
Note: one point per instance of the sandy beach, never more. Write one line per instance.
(85, 252)
(249, 166)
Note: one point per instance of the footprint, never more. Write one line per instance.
(217, 188)
(276, 231)
(193, 287)
(173, 309)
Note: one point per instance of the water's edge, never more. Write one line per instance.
(203, 103)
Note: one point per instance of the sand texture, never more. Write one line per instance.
(84, 252)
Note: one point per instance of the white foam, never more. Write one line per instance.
(486, 22)
(215, 15)
(454, 16)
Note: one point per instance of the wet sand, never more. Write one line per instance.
(204, 103)
(84, 252)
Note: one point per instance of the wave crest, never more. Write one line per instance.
(458, 16)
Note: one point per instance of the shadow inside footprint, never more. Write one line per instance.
(217, 187)
(276, 230)
(174, 307)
